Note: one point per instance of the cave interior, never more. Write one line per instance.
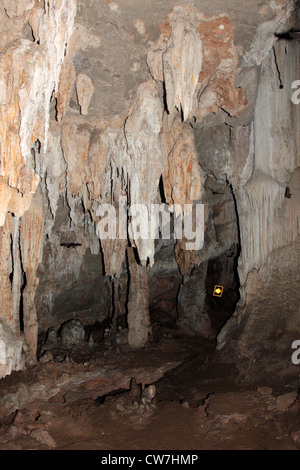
(111, 317)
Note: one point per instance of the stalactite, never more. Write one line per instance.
(17, 275)
(85, 90)
(142, 133)
(196, 58)
(31, 241)
(6, 300)
(29, 75)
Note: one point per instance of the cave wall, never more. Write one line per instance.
(107, 100)
(266, 321)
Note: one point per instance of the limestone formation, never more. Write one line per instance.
(85, 90)
(196, 58)
(269, 221)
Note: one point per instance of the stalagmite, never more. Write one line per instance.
(138, 306)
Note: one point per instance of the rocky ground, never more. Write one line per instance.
(168, 396)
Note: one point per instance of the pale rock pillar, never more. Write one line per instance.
(138, 303)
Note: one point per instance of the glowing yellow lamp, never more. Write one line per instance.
(218, 291)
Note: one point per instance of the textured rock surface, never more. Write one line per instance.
(138, 303)
(96, 380)
(197, 60)
(72, 333)
(269, 221)
(30, 74)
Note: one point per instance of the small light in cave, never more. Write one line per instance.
(218, 291)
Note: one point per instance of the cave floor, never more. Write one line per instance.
(192, 406)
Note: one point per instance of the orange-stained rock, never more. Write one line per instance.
(196, 58)
(29, 74)
(182, 174)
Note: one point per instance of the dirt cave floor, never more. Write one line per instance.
(167, 396)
